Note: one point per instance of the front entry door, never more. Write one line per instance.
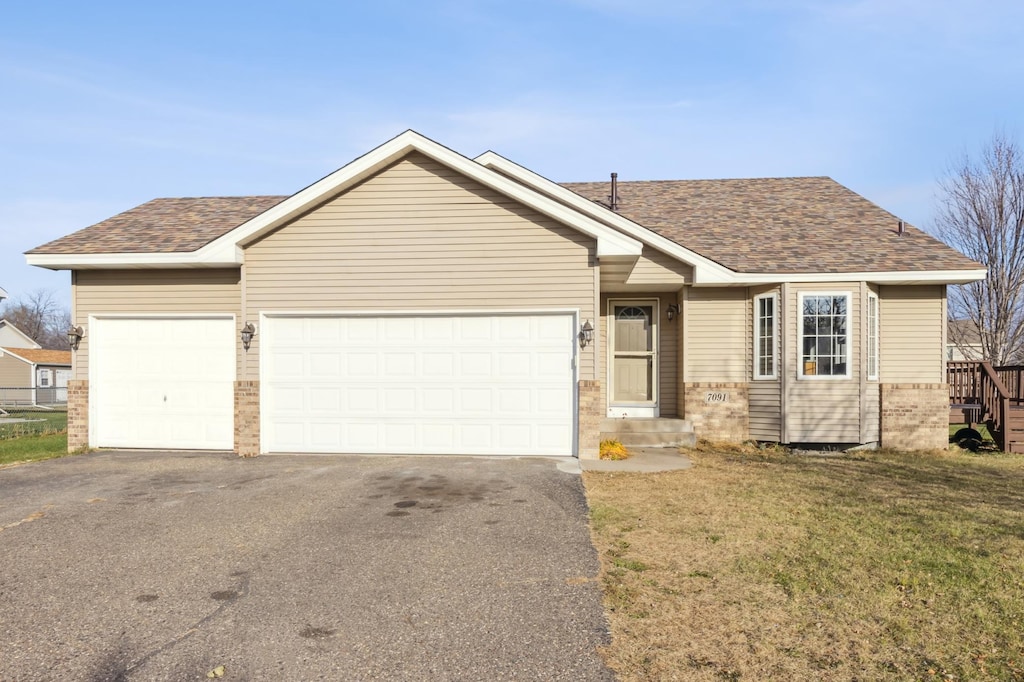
(633, 357)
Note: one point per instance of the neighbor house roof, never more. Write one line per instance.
(778, 225)
(964, 332)
(41, 356)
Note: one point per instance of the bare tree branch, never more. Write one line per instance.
(982, 214)
(40, 316)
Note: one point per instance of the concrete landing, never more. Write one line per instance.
(642, 460)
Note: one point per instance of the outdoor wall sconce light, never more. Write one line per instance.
(248, 331)
(586, 334)
(672, 310)
(75, 335)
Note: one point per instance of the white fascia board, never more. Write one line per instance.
(609, 241)
(94, 261)
(897, 277)
(706, 270)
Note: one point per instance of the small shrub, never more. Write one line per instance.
(613, 450)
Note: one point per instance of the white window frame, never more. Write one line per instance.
(43, 378)
(873, 354)
(758, 336)
(804, 295)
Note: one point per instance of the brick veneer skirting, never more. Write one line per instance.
(590, 413)
(915, 416)
(78, 414)
(247, 418)
(718, 411)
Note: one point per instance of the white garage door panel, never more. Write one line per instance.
(499, 384)
(162, 383)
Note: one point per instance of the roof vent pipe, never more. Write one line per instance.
(901, 228)
(613, 198)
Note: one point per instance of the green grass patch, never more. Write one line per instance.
(39, 434)
(32, 448)
(980, 428)
(32, 423)
(870, 565)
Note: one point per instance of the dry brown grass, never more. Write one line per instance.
(760, 565)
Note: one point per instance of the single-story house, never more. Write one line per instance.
(30, 375)
(420, 301)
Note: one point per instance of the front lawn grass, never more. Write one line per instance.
(31, 448)
(760, 565)
(42, 435)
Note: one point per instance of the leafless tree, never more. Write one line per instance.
(982, 214)
(39, 315)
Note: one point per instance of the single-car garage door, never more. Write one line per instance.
(403, 384)
(162, 382)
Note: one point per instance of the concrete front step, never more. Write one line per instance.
(649, 432)
(645, 425)
(652, 440)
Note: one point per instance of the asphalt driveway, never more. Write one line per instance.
(158, 566)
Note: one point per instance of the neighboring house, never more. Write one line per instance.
(3, 294)
(33, 376)
(12, 337)
(419, 301)
(963, 341)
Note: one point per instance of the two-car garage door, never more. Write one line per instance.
(468, 384)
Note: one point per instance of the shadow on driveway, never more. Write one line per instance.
(148, 566)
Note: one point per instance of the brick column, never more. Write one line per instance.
(915, 416)
(78, 414)
(590, 413)
(247, 418)
(718, 411)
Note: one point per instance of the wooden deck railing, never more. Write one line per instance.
(978, 383)
(1012, 377)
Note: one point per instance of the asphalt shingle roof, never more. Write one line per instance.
(163, 226)
(767, 225)
(41, 356)
(778, 225)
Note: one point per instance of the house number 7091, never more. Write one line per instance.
(716, 397)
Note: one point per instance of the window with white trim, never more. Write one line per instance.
(766, 336)
(872, 336)
(43, 378)
(824, 335)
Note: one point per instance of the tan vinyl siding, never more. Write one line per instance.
(717, 341)
(825, 410)
(144, 292)
(654, 267)
(668, 350)
(911, 331)
(421, 237)
(765, 397)
(872, 407)
(14, 373)
(765, 410)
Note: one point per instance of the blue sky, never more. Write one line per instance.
(106, 105)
